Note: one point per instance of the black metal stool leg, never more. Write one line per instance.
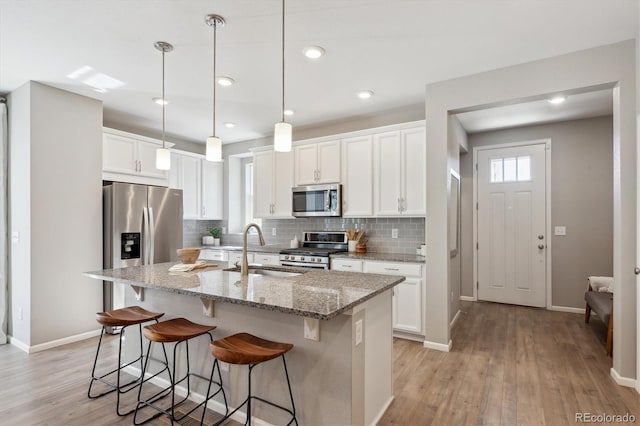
(293, 406)
(248, 422)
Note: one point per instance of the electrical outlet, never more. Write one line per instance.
(452, 296)
(273, 232)
(394, 233)
(358, 332)
(20, 313)
(560, 230)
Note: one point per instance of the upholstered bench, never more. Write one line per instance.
(599, 298)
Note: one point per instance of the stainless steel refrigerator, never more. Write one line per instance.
(142, 225)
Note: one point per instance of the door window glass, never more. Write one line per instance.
(511, 169)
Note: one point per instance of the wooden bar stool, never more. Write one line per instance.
(176, 331)
(246, 349)
(121, 318)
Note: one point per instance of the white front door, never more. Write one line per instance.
(511, 230)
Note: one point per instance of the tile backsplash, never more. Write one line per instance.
(378, 231)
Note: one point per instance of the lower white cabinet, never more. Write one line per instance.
(236, 257)
(348, 265)
(266, 259)
(407, 296)
(217, 255)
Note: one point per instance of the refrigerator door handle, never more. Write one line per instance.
(152, 236)
(145, 236)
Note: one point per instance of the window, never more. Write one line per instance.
(511, 169)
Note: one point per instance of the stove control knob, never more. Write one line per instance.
(318, 259)
(286, 258)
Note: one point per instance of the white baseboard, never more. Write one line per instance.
(455, 318)
(239, 416)
(382, 411)
(408, 336)
(438, 346)
(622, 381)
(18, 344)
(567, 309)
(468, 299)
(54, 343)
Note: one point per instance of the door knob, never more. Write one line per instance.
(541, 237)
(540, 246)
(636, 270)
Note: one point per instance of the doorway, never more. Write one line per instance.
(511, 220)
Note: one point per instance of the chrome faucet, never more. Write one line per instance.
(244, 268)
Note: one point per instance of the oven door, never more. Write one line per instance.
(317, 200)
(305, 265)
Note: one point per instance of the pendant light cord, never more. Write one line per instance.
(164, 101)
(215, 28)
(283, 61)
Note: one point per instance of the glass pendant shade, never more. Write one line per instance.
(214, 149)
(163, 159)
(282, 137)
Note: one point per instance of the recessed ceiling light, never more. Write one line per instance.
(225, 81)
(160, 101)
(557, 100)
(313, 52)
(102, 81)
(230, 125)
(365, 94)
(289, 112)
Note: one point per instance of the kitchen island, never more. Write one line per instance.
(338, 322)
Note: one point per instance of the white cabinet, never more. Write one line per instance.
(266, 259)
(399, 173)
(131, 158)
(272, 183)
(348, 265)
(235, 257)
(317, 163)
(407, 296)
(217, 255)
(201, 182)
(357, 177)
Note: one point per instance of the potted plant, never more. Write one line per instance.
(215, 233)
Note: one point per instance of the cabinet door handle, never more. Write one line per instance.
(399, 205)
(204, 210)
(402, 205)
(140, 165)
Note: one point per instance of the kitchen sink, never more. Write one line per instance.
(267, 272)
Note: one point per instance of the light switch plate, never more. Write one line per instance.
(560, 230)
(394, 233)
(273, 232)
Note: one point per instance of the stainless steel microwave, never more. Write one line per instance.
(317, 200)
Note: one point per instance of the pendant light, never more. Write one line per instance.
(282, 131)
(163, 155)
(214, 143)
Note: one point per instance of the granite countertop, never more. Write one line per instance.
(321, 294)
(251, 248)
(387, 257)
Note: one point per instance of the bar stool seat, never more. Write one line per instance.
(244, 348)
(250, 350)
(124, 317)
(177, 330)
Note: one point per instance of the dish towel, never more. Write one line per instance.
(186, 267)
(601, 284)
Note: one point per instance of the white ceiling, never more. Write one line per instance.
(583, 105)
(393, 47)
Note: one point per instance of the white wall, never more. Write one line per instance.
(606, 66)
(60, 219)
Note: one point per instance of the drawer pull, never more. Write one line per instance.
(346, 266)
(391, 269)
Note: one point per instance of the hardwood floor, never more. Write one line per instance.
(510, 365)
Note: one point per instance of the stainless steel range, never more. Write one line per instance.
(315, 250)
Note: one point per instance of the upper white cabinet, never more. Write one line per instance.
(131, 158)
(317, 163)
(357, 177)
(272, 183)
(201, 182)
(399, 173)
